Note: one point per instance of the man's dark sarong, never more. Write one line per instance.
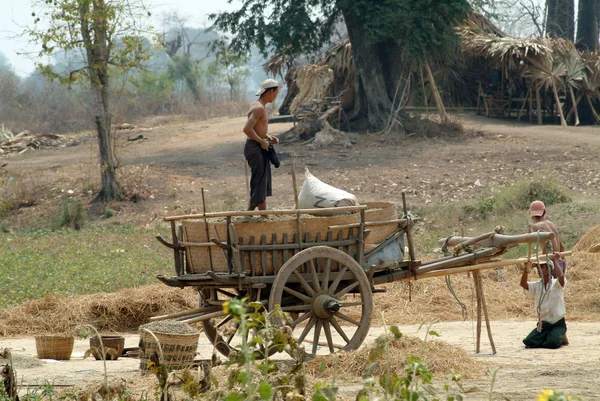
(551, 335)
(260, 167)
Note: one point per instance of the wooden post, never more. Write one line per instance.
(574, 105)
(425, 92)
(361, 238)
(538, 100)
(531, 102)
(176, 250)
(411, 249)
(482, 306)
(558, 108)
(436, 95)
(478, 297)
(523, 105)
(485, 312)
(207, 231)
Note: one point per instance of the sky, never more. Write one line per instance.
(16, 14)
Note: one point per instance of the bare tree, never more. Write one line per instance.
(110, 35)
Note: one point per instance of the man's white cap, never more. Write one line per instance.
(267, 84)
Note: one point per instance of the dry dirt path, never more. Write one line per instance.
(523, 372)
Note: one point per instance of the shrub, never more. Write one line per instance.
(520, 195)
(71, 214)
(19, 192)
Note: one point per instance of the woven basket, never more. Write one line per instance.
(115, 342)
(54, 347)
(178, 350)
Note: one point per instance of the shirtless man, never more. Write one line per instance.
(257, 145)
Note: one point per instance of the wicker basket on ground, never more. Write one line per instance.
(178, 346)
(54, 347)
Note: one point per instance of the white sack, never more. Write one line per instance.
(317, 194)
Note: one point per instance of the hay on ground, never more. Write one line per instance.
(589, 239)
(439, 356)
(122, 311)
(313, 82)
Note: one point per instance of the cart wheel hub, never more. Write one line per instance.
(325, 306)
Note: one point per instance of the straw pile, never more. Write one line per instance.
(591, 237)
(439, 356)
(122, 311)
(313, 82)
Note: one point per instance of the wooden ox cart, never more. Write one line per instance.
(323, 270)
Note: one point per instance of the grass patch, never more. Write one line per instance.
(71, 214)
(520, 195)
(19, 191)
(573, 218)
(97, 259)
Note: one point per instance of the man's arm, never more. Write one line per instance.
(558, 271)
(524, 283)
(255, 114)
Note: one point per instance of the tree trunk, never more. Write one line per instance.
(372, 97)
(587, 25)
(97, 58)
(560, 21)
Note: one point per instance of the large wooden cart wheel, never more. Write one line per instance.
(213, 327)
(314, 284)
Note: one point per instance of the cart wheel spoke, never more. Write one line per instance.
(304, 284)
(315, 277)
(327, 270)
(297, 308)
(228, 341)
(309, 326)
(349, 304)
(297, 294)
(337, 280)
(347, 318)
(346, 290)
(338, 328)
(316, 336)
(327, 330)
(224, 322)
(320, 309)
(302, 318)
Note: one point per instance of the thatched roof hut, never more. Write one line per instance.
(534, 74)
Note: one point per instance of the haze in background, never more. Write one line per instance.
(15, 15)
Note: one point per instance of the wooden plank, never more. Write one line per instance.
(350, 248)
(306, 241)
(263, 255)
(252, 256)
(400, 222)
(229, 251)
(199, 244)
(176, 251)
(275, 255)
(340, 238)
(361, 239)
(242, 254)
(293, 246)
(318, 211)
(237, 256)
(284, 252)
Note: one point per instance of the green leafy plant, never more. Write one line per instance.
(72, 214)
(550, 395)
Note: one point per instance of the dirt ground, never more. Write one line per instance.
(522, 373)
(179, 157)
